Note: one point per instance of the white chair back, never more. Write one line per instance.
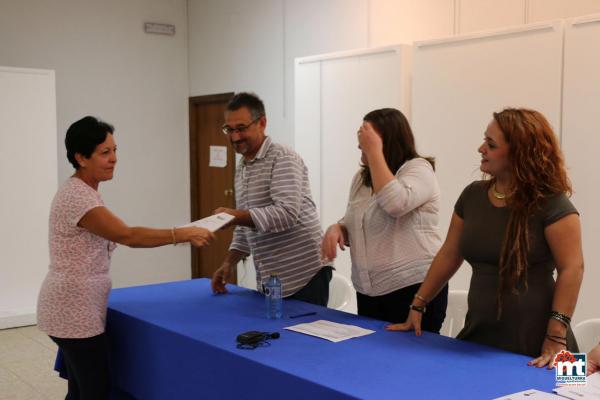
(455, 313)
(587, 334)
(340, 292)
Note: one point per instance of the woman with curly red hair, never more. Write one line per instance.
(515, 228)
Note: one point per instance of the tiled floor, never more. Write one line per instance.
(26, 366)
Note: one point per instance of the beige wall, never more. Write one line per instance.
(107, 66)
(250, 45)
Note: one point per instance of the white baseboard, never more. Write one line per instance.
(13, 320)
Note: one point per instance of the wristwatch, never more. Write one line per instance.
(420, 309)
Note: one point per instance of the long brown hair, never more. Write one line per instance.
(398, 140)
(538, 171)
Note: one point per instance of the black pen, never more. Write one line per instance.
(303, 315)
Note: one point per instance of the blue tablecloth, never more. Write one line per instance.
(177, 341)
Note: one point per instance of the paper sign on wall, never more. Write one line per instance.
(218, 156)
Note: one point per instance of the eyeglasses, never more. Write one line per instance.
(228, 130)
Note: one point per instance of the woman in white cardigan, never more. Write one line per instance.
(391, 222)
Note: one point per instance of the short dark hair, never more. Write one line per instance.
(398, 140)
(83, 136)
(249, 100)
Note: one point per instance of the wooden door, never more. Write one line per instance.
(211, 187)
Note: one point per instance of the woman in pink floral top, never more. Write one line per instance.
(82, 235)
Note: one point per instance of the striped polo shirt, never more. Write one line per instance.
(286, 239)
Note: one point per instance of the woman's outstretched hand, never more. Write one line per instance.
(413, 322)
(549, 351)
(199, 237)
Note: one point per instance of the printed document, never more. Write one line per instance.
(218, 156)
(591, 390)
(531, 394)
(212, 223)
(330, 330)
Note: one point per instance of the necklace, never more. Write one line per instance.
(497, 194)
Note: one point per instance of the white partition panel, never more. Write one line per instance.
(581, 141)
(351, 87)
(308, 122)
(28, 175)
(459, 82)
(333, 94)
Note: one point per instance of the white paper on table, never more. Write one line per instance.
(531, 394)
(212, 223)
(331, 331)
(218, 156)
(590, 391)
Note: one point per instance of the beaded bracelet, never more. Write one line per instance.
(564, 319)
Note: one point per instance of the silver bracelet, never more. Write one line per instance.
(419, 297)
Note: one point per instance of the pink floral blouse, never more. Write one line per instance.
(72, 300)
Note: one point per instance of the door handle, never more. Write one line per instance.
(228, 192)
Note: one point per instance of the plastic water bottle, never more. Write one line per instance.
(273, 297)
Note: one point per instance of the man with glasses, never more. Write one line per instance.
(276, 219)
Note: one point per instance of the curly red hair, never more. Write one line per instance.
(538, 170)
